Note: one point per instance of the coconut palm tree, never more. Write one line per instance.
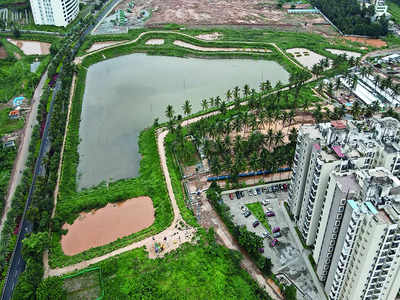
(169, 112)
(204, 104)
(228, 95)
(236, 91)
(246, 90)
(187, 108)
(217, 101)
(278, 138)
(211, 101)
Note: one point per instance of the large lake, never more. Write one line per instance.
(124, 95)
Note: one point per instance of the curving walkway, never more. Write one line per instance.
(174, 235)
(79, 59)
(178, 232)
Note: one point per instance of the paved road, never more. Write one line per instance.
(23, 151)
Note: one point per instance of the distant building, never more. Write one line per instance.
(54, 12)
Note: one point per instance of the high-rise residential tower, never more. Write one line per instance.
(54, 12)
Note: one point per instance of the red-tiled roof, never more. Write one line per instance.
(14, 113)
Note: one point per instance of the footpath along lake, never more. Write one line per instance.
(125, 94)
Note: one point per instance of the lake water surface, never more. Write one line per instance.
(124, 95)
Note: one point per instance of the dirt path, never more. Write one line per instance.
(78, 60)
(176, 234)
(23, 150)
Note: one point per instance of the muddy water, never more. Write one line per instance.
(123, 96)
(107, 224)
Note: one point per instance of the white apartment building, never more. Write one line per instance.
(358, 242)
(341, 187)
(322, 149)
(54, 12)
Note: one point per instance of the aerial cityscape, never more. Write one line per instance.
(183, 149)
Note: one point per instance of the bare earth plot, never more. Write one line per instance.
(32, 47)
(224, 12)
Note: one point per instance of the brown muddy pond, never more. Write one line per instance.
(105, 225)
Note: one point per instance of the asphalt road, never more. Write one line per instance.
(288, 257)
(17, 264)
(22, 156)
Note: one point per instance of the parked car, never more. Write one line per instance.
(266, 235)
(237, 194)
(250, 193)
(256, 223)
(265, 202)
(241, 193)
(258, 190)
(270, 214)
(285, 186)
(231, 196)
(277, 234)
(261, 250)
(275, 229)
(274, 242)
(268, 209)
(243, 208)
(247, 213)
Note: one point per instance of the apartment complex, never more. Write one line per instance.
(336, 146)
(54, 12)
(364, 263)
(345, 197)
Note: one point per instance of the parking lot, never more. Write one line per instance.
(287, 255)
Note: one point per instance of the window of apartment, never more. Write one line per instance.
(337, 223)
(335, 230)
(343, 202)
(334, 236)
(332, 242)
(341, 209)
(330, 249)
(339, 216)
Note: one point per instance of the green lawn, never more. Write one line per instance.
(7, 125)
(257, 210)
(394, 10)
(205, 270)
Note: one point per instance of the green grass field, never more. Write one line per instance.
(394, 10)
(204, 270)
(257, 210)
(7, 125)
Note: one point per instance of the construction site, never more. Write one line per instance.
(251, 13)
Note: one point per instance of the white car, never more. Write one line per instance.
(265, 202)
(266, 235)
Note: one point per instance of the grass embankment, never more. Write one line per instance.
(394, 10)
(205, 270)
(284, 40)
(257, 210)
(168, 48)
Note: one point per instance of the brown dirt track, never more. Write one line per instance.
(378, 43)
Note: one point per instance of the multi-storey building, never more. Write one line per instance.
(336, 146)
(341, 187)
(54, 12)
(357, 248)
